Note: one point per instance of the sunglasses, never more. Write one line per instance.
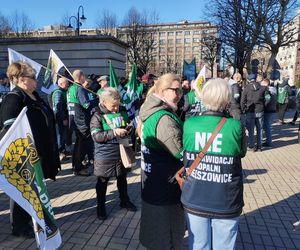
(178, 91)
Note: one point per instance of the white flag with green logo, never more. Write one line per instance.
(21, 178)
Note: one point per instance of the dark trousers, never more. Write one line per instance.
(281, 110)
(296, 116)
(61, 136)
(20, 219)
(101, 188)
(83, 146)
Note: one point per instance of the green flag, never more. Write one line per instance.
(113, 80)
(132, 85)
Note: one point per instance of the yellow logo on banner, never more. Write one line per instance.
(17, 156)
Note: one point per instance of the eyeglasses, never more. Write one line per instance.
(178, 91)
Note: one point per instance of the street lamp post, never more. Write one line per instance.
(78, 19)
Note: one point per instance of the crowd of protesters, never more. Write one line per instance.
(174, 120)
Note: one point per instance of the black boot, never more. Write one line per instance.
(128, 205)
(101, 187)
(101, 212)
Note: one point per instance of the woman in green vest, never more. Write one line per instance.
(107, 125)
(162, 217)
(212, 194)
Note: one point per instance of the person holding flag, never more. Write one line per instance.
(193, 104)
(41, 120)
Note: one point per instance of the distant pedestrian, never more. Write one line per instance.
(269, 113)
(60, 109)
(235, 106)
(254, 98)
(283, 93)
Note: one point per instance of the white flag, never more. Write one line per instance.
(54, 65)
(21, 178)
(200, 80)
(14, 56)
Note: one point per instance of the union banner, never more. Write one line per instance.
(21, 178)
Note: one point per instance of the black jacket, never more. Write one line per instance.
(254, 98)
(41, 120)
(83, 110)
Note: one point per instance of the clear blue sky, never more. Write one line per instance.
(46, 12)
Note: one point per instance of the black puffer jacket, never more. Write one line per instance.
(41, 120)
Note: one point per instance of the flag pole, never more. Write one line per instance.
(79, 85)
(36, 233)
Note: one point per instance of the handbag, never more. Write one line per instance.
(181, 174)
(125, 146)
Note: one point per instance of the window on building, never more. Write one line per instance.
(292, 66)
(178, 40)
(187, 49)
(170, 50)
(170, 33)
(178, 33)
(187, 40)
(196, 48)
(196, 32)
(162, 41)
(196, 40)
(187, 32)
(170, 41)
(161, 34)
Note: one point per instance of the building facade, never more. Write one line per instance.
(174, 43)
(288, 57)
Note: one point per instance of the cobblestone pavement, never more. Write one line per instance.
(269, 220)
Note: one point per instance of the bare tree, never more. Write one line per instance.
(21, 24)
(106, 22)
(139, 38)
(239, 28)
(5, 26)
(210, 50)
(245, 24)
(64, 25)
(278, 27)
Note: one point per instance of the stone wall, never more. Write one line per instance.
(89, 53)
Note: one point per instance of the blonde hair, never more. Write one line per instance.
(19, 69)
(165, 81)
(109, 94)
(216, 94)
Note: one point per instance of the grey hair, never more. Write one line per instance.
(216, 94)
(109, 94)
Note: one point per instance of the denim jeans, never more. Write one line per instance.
(254, 120)
(268, 120)
(207, 233)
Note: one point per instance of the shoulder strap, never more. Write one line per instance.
(108, 122)
(207, 145)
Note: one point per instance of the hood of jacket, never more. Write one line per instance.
(152, 105)
(256, 86)
(284, 83)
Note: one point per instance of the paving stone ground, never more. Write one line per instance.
(269, 219)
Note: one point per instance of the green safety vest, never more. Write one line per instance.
(282, 94)
(72, 94)
(118, 120)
